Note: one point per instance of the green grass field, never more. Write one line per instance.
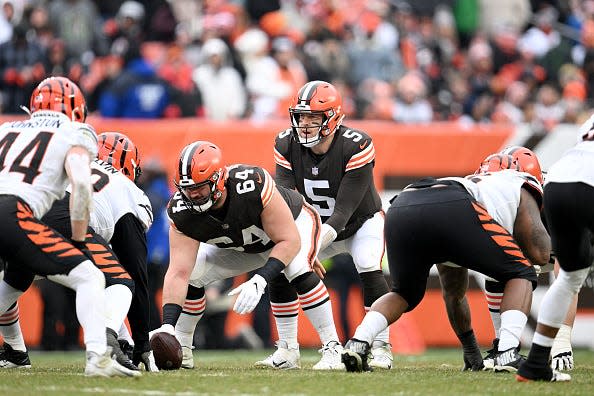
(231, 373)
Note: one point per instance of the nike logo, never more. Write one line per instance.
(279, 364)
(362, 146)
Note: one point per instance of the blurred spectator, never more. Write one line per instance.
(221, 87)
(412, 105)
(60, 64)
(185, 95)
(137, 92)
(511, 109)
(548, 110)
(263, 80)
(542, 36)
(5, 26)
(77, 22)
(21, 69)
(513, 13)
(291, 70)
(160, 22)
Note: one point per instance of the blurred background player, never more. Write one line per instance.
(489, 223)
(331, 165)
(568, 210)
(227, 221)
(59, 149)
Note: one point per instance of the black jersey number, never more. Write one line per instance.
(99, 179)
(323, 204)
(34, 151)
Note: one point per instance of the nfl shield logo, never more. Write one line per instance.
(314, 171)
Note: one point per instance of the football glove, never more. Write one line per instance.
(166, 328)
(562, 361)
(249, 294)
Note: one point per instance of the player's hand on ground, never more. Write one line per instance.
(147, 360)
(473, 361)
(562, 361)
(249, 294)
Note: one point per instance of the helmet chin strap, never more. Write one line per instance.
(310, 142)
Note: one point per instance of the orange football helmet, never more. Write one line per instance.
(201, 163)
(527, 160)
(61, 95)
(316, 97)
(119, 151)
(498, 162)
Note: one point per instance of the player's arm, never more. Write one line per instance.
(79, 174)
(454, 283)
(284, 177)
(529, 231)
(130, 246)
(182, 257)
(353, 187)
(280, 227)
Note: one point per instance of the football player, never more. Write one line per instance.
(562, 355)
(331, 165)
(39, 157)
(568, 210)
(227, 221)
(121, 215)
(489, 223)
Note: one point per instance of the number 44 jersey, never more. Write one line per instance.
(32, 155)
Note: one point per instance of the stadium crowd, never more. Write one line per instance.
(469, 60)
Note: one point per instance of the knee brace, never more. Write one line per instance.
(281, 290)
(573, 280)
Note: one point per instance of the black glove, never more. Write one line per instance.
(82, 246)
(473, 361)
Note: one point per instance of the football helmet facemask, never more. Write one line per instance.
(316, 97)
(119, 151)
(200, 164)
(527, 160)
(61, 95)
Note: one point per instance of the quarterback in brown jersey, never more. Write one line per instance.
(227, 221)
(331, 165)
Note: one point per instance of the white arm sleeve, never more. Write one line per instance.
(80, 180)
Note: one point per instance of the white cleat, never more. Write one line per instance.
(331, 357)
(381, 355)
(187, 357)
(105, 366)
(284, 358)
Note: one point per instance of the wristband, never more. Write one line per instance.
(271, 269)
(171, 314)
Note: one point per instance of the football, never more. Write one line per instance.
(167, 351)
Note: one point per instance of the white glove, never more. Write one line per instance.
(250, 293)
(328, 235)
(166, 328)
(562, 361)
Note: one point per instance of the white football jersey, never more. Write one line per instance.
(499, 192)
(32, 155)
(115, 195)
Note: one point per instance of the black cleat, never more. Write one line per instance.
(489, 359)
(508, 360)
(116, 351)
(529, 372)
(9, 358)
(355, 356)
(126, 348)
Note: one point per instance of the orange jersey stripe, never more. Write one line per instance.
(280, 160)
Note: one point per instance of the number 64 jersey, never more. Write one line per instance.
(339, 184)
